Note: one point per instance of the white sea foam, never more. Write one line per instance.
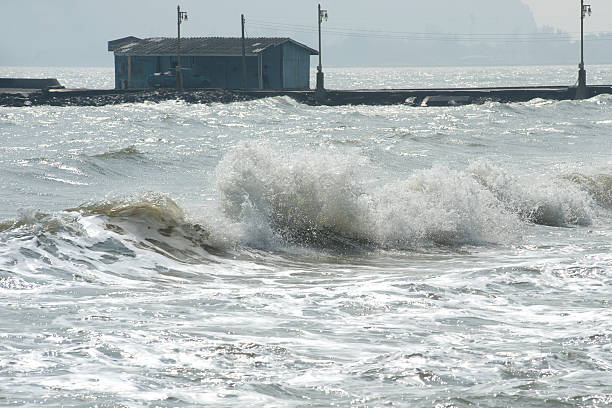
(312, 197)
(228, 296)
(545, 200)
(319, 198)
(270, 198)
(598, 184)
(293, 196)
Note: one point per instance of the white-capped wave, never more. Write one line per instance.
(540, 199)
(322, 198)
(271, 199)
(598, 185)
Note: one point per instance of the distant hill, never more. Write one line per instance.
(452, 32)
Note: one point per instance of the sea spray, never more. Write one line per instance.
(274, 199)
(598, 186)
(546, 200)
(439, 206)
(299, 197)
(311, 197)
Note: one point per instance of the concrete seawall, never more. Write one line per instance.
(411, 97)
(434, 97)
(29, 83)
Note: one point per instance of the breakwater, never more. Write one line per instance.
(433, 96)
(101, 97)
(412, 97)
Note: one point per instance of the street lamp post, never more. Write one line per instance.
(582, 90)
(181, 15)
(322, 14)
(244, 72)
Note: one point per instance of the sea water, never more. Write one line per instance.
(268, 253)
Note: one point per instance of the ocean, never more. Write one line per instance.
(272, 254)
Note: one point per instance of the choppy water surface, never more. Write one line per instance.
(364, 78)
(268, 253)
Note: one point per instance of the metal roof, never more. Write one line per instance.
(113, 45)
(199, 46)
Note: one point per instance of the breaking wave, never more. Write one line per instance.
(274, 200)
(154, 222)
(114, 230)
(536, 199)
(326, 199)
(599, 187)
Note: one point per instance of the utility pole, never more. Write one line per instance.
(181, 15)
(244, 72)
(322, 14)
(582, 91)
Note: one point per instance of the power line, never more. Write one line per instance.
(420, 36)
(351, 29)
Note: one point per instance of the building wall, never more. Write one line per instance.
(296, 67)
(139, 70)
(286, 66)
(142, 67)
(226, 72)
(272, 69)
(120, 71)
(222, 72)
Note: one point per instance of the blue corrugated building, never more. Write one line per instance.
(271, 63)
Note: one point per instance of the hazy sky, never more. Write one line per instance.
(75, 32)
(565, 14)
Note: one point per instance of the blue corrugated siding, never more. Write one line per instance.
(272, 69)
(296, 67)
(226, 72)
(142, 68)
(222, 72)
(286, 66)
(120, 71)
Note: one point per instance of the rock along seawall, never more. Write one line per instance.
(411, 97)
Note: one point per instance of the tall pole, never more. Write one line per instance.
(582, 91)
(321, 14)
(180, 16)
(320, 66)
(244, 72)
(179, 74)
(581, 34)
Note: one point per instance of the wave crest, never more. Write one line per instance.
(271, 199)
(125, 153)
(154, 222)
(544, 201)
(292, 197)
(157, 208)
(324, 198)
(36, 223)
(599, 186)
